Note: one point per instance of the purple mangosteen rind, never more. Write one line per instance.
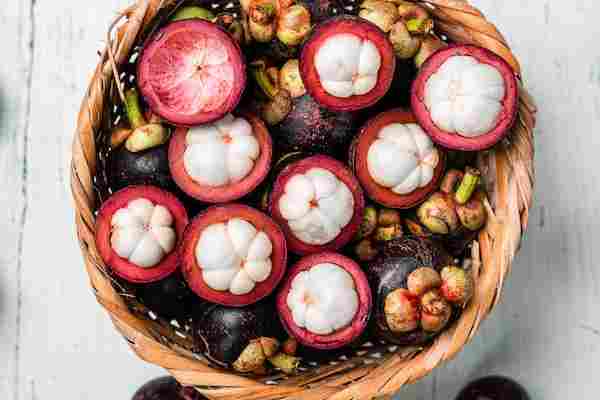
(510, 103)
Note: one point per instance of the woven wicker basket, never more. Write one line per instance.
(372, 371)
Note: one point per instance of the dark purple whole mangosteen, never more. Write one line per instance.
(166, 388)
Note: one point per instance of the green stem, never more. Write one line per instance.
(468, 185)
(133, 109)
(259, 72)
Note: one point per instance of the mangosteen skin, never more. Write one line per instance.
(493, 388)
(169, 298)
(166, 388)
(320, 10)
(311, 128)
(224, 332)
(390, 270)
(150, 167)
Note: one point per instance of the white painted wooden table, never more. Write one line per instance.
(56, 343)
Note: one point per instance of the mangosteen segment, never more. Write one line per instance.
(316, 206)
(221, 153)
(403, 158)
(191, 72)
(466, 97)
(233, 255)
(138, 230)
(142, 233)
(347, 64)
(395, 160)
(221, 161)
(319, 204)
(325, 301)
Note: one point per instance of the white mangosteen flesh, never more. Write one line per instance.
(317, 206)
(142, 232)
(465, 96)
(221, 153)
(323, 299)
(402, 158)
(198, 70)
(347, 65)
(234, 256)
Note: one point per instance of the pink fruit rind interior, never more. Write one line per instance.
(452, 140)
(343, 336)
(191, 73)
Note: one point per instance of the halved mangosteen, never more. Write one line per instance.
(325, 301)
(191, 72)
(466, 97)
(318, 203)
(395, 161)
(138, 231)
(347, 64)
(222, 161)
(233, 255)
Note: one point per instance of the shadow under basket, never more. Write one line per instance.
(373, 370)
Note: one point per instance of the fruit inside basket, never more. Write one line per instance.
(326, 195)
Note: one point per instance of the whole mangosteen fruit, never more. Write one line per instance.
(318, 203)
(241, 338)
(325, 301)
(169, 298)
(233, 255)
(410, 281)
(149, 167)
(347, 64)
(395, 161)
(166, 388)
(222, 161)
(466, 97)
(493, 388)
(138, 232)
(191, 72)
(309, 127)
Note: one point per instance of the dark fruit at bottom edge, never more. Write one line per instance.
(169, 298)
(493, 388)
(226, 332)
(166, 388)
(312, 128)
(150, 167)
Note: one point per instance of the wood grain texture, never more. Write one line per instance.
(57, 343)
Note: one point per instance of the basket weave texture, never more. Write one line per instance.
(509, 175)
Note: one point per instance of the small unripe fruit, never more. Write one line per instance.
(458, 285)
(381, 13)
(435, 311)
(438, 214)
(290, 79)
(387, 233)
(368, 224)
(401, 311)
(388, 217)
(422, 280)
(293, 25)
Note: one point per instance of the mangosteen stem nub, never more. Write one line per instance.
(133, 109)
(468, 185)
(262, 78)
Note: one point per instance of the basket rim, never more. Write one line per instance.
(508, 167)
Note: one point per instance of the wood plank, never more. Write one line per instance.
(69, 348)
(15, 78)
